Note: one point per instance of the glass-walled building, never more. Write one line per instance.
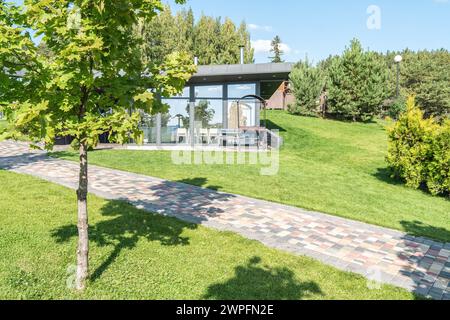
(208, 104)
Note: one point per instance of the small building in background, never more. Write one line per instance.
(208, 103)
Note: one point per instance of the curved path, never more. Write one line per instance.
(416, 264)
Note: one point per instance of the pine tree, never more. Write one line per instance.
(244, 40)
(308, 83)
(210, 39)
(159, 36)
(357, 83)
(276, 50)
(207, 33)
(228, 44)
(426, 74)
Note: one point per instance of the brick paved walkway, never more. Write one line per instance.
(417, 264)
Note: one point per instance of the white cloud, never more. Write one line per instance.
(244, 87)
(256, 27)
(264, 46)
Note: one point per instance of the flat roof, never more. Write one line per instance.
(242, 72)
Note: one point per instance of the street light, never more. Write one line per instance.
(398, 59)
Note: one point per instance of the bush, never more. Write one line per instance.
(438, 181)
(357, 84)
(419, 150)
(395, 107)
(307, 83)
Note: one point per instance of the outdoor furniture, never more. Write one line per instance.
(204, 136)
(182, 135)
(229, 137)
(213, 136)
(254, 136)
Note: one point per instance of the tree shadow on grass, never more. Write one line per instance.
(385, 175)
(128, 225)
(255, 281)
(125, 228)
(273, 126)
(200, 182)
(62, 154)
(420, 229)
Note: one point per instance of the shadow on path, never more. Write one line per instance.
(426, 261)
(186, 201)
(16, 161)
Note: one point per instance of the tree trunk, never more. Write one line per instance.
(83, 238)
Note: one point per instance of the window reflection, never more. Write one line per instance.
(175, 123)
(184, 94)
(209, 91)
(148, 127)
(237, 91)
(208, 121)
(208, 111)
(245, 117)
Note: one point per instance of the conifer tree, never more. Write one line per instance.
(276, 50)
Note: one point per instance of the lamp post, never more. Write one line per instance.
(398, 59)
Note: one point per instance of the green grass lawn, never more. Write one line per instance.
(137, 255)
(3, 124)
(329, 166)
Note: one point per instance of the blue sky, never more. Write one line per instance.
(318, 28)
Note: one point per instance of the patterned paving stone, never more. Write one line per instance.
(414, 263)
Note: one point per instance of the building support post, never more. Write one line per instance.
(192, 115)
(225, 106)
(158, 129)
(258, 105)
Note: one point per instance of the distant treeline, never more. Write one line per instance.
(212, 40)
(360, 84)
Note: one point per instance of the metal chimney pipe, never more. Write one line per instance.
(196, 61)
(242, 54)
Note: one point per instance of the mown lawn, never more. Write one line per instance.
(137, 255)
(329, 166)
(3, 124)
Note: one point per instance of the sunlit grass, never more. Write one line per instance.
(138, 255)
(329, 166)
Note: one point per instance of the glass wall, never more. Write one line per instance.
(214, 91)
(184, 94)
(149, 128)
(175, 123)
(209, 116)
(246, 116)
(247, 113)
(208, 113)
(237, 91)
(208, 120)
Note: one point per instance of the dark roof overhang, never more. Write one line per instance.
(241, 72)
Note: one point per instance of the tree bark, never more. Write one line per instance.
(83, 238)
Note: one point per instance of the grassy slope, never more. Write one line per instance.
(3, 124)
(137, 255)
(329, 166)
